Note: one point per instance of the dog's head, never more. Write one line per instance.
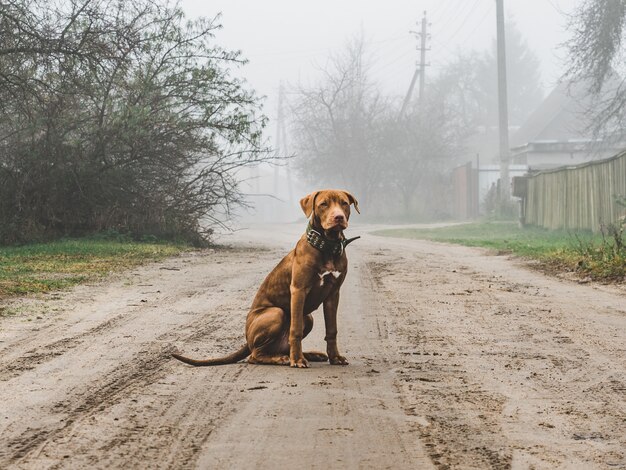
(330, 208)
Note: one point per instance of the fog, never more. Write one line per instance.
(168, 118)
(286, 40)
(294, 43)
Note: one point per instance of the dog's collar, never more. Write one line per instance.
(326, 245)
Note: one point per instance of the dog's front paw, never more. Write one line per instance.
(338, 361)
(300, 363)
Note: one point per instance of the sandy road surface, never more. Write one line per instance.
(458, 359)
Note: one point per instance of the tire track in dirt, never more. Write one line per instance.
(325, 416)
(19, 355)
(29, 360)
(482, 363)
(138, 431)
(86, 401)
(143, 370)
(438, 410)
(509, 368)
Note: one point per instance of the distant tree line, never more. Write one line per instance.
(118, 116)
(349, 134)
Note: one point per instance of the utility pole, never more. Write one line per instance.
(503, 113)
(281, 143)
(421, 66)
(277, 146)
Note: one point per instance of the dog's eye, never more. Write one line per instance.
(323, 204)
(344, 203)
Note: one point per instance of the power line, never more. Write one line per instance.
(451, 21)
(463, 23)
(446, 11)
(377, 68)
(438, 9)
(487, 13)
(437, 41)
(395, 37)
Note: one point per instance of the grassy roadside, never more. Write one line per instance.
(51, 266)
(591, 255)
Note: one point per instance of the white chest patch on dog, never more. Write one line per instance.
(335, 274)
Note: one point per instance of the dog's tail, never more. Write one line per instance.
(237, 356)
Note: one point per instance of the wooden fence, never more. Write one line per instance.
(578, 197)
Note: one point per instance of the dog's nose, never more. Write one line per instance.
(339, 218)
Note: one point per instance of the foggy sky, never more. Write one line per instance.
(287, 39)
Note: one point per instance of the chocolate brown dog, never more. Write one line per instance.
(310, 275)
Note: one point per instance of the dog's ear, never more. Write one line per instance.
(353, 200)
(307, 203)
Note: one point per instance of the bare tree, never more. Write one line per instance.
(418, 150)
(349, 134)
(597, 57)
(335, 124)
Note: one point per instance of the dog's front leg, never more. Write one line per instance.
(330, 319)
(296, 358)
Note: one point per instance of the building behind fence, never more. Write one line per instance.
(580, 197)
(472, 188)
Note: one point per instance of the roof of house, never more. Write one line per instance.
(561, 116)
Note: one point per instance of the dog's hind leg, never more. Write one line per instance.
(267, 334)
(268, 337)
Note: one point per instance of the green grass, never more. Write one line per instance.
(51, 266)
(590, 254)
(499, 236)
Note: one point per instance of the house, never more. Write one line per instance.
(558, 132)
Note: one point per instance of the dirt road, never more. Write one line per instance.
(458, 359)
